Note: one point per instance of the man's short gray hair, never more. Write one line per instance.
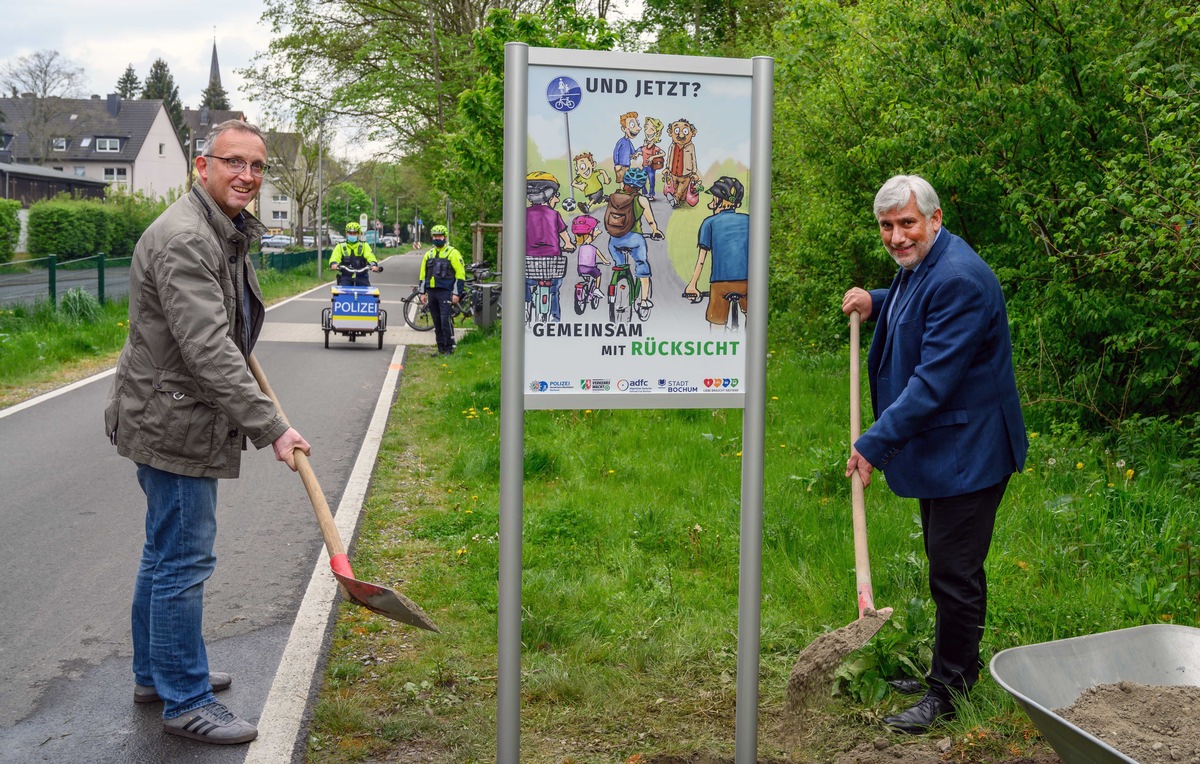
(231, 124)
(900, 188)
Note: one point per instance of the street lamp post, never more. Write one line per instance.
(320, 187)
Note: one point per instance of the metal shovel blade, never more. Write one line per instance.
(385, 602)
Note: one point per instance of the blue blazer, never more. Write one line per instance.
(947, 413)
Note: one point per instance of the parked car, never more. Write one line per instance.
(388, 240)
(277, 241)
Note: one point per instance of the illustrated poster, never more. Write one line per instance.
(637, 236)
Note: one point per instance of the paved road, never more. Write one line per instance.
(72, 515)
(28, 288)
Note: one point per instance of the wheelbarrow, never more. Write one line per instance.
(1052, 675)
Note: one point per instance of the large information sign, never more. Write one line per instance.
(637, 231)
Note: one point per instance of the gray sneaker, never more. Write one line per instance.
(213, 723)
(145, 693)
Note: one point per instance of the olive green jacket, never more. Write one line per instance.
(183, 397)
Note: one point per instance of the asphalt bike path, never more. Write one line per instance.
(73, 514)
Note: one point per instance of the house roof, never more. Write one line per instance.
(201, 121)
(34, 171)
(81, 121)
(283, 146)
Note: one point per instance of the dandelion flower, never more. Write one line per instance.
(1120, 464)
(774, 397)
(1078, 465)
(612, 472)
(1052, 461)
(1032, 435)
(1022, 564)
(1029, 469)
(1129, 474)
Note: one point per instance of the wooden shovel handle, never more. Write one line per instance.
(862, 560)
(333, 541)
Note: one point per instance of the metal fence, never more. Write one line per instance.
(46, 278)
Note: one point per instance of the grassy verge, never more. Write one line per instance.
(42, 348)
(631, 573)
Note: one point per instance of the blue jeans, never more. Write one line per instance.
(168, 598)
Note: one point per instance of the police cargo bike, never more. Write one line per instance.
(355, 311)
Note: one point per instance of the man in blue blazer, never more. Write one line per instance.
(948, 427)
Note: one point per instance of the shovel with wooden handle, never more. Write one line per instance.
(373, 597)
(862, 561)
(817, 662)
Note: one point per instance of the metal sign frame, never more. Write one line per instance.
(752, 399)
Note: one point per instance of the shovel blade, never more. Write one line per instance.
(385, 602)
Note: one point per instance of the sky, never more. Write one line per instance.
(104, 38)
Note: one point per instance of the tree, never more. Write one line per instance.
(45, 78)
(129, 85)
(215, 97)
(344, 203)
(1062, 140)
(294, 161)
(161, 85)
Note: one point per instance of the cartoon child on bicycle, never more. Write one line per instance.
(725, 234)
(586, 254)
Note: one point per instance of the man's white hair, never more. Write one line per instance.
(900, 188)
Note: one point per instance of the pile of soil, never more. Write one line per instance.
(815, 665)
(1148, 723)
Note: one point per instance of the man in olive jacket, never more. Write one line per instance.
(182, 403)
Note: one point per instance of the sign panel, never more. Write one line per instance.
(637, 231)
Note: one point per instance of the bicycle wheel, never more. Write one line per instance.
(417, 315)
(581, 298)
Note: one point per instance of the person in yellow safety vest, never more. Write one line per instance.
(353, 253)
(441, 282)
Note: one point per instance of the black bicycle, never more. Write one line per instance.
(417, 315)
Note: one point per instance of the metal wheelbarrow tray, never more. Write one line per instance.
(1052, 675)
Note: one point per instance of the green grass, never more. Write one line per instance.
(630, 560)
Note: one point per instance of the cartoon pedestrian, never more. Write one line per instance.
(623, 151)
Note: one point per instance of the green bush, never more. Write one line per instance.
(1064, 152)
(10, 228)
(57, 228)
(73, 228)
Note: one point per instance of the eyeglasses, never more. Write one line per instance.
(237, 165)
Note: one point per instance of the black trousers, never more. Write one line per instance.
(443, 318)
(958, 534)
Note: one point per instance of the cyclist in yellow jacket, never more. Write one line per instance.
(353, 253)
(442, 279)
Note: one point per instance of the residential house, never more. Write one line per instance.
(288, 176)
(200, 123)
(127, 143)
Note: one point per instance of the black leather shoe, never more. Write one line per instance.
(928, 711)
(907, 686)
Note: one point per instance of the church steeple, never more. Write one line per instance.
(214, 72)
(214, 96)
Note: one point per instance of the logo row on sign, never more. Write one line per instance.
(709, 384)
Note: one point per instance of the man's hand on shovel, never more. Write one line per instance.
(288, 442)
(857, 463)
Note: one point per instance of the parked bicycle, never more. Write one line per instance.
(417, 315)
